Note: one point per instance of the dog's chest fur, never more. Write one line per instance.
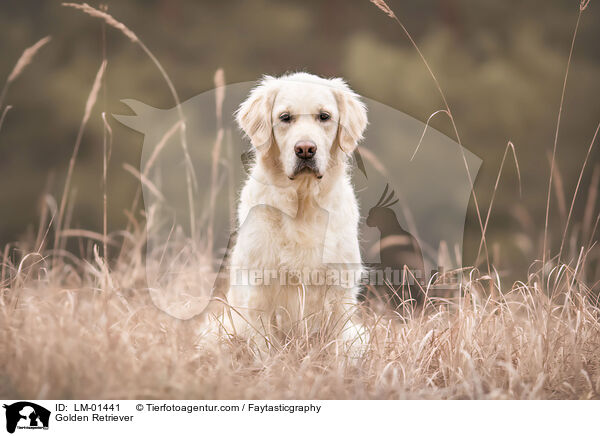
(286, 229)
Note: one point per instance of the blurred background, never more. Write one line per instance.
(501, 65)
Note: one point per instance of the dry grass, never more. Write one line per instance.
(25, 59)
(82, 331)
(79, 328)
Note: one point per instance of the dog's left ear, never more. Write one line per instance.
(353, 116)
(254, 114)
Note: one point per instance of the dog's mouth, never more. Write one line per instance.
(307, 166)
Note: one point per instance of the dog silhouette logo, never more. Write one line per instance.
(194, 163)
(26, 415)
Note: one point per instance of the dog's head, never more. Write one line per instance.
(303, 124)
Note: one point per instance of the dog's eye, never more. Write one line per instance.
(324, 116)
(285, 117)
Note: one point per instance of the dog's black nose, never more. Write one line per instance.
(305, 149)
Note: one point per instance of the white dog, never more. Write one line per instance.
(296, 260)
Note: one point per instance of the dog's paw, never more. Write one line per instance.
(355, 340)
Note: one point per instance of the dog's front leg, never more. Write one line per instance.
(246, 317)
(341, 305)
(253, 286)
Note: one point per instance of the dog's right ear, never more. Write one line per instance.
(254, 114)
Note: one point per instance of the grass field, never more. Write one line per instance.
(97, 334)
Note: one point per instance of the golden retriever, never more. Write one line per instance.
(296, 260)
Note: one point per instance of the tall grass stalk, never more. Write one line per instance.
(4, 112)
(219, 82)
(25, 59)
(510, 146)
(89, 105)
(587, 156)
(582, 6)
(106, 148)
(190, 174)
(388, 11)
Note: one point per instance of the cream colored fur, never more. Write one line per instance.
(290, 222)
